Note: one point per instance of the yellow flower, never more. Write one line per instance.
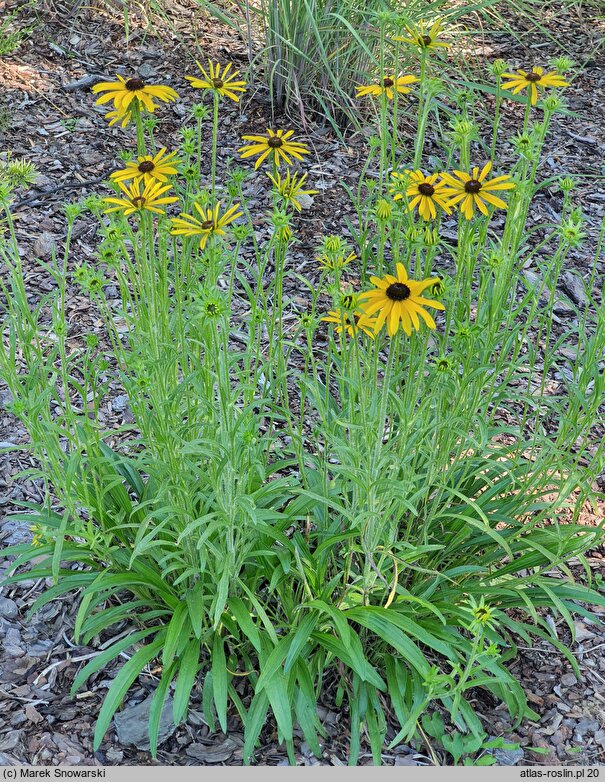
(211, 224)
(278, 144)
(397, 300)
(149, 168)
(115, 116)
(136, 201)
(534, 80)
(470, 190)
(423, 36)
(223, 83)
(388, 86)
(290, 187)
(424, 192)
(38, 534)
(351, 322)
(124, 91)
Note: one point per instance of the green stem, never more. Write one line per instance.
(214, 142)
(527, 111)
(422, 112)
(496, 117)
(138, 121)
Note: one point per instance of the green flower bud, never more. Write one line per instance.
(150, 123)
(562, 64)
(553, 103)
(200, 111)
(384, 210)
(73, 211)
(567, 184)
(498, 67)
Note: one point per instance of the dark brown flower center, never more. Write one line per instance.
(426, 40)
(138, 201)
(135, 84)
(397, 291)
(533, 76)
(388, 82)
(208, 225)
(472, 186)
(146, 166)
(275, 142)
(425, 189)
(218, 83)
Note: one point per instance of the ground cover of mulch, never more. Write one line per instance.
(48, 115)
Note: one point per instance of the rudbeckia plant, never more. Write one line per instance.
(350, 476)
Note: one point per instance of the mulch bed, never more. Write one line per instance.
(47, 114)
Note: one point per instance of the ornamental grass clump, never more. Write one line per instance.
(365, 494)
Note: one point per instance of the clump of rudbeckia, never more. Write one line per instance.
(222, 83)
(398, 302)
(424, 192)
(533, 80)
(149, 199)
(475, 190)
(124, 91)
(290, 188)
(149, 168)
(388, 86)
(424, 35)
(351, 322)
(278, 145)
(213, 223)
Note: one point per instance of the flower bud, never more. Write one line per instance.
(384, 210)
(567, 184)
(498, 67)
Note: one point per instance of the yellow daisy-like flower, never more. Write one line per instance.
(425, 193)
(150, 199)
(290, 188)
(224, 83)
(351, 322)
(115, 116)
(397, 301)
(124, 91)
(533, 80)
(424, 36)
(156, 168)
(470, 190)
(211, 224)
(388, 86)
(277, 144)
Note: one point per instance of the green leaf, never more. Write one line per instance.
(188, 667)
(106, 656)
(195, 603)
(257, 716)
(219, 680)
(301, 636)
(176, 634)
(120, 686)
(157, 707)
(379, 622)
(277, 693)
(242, 615)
